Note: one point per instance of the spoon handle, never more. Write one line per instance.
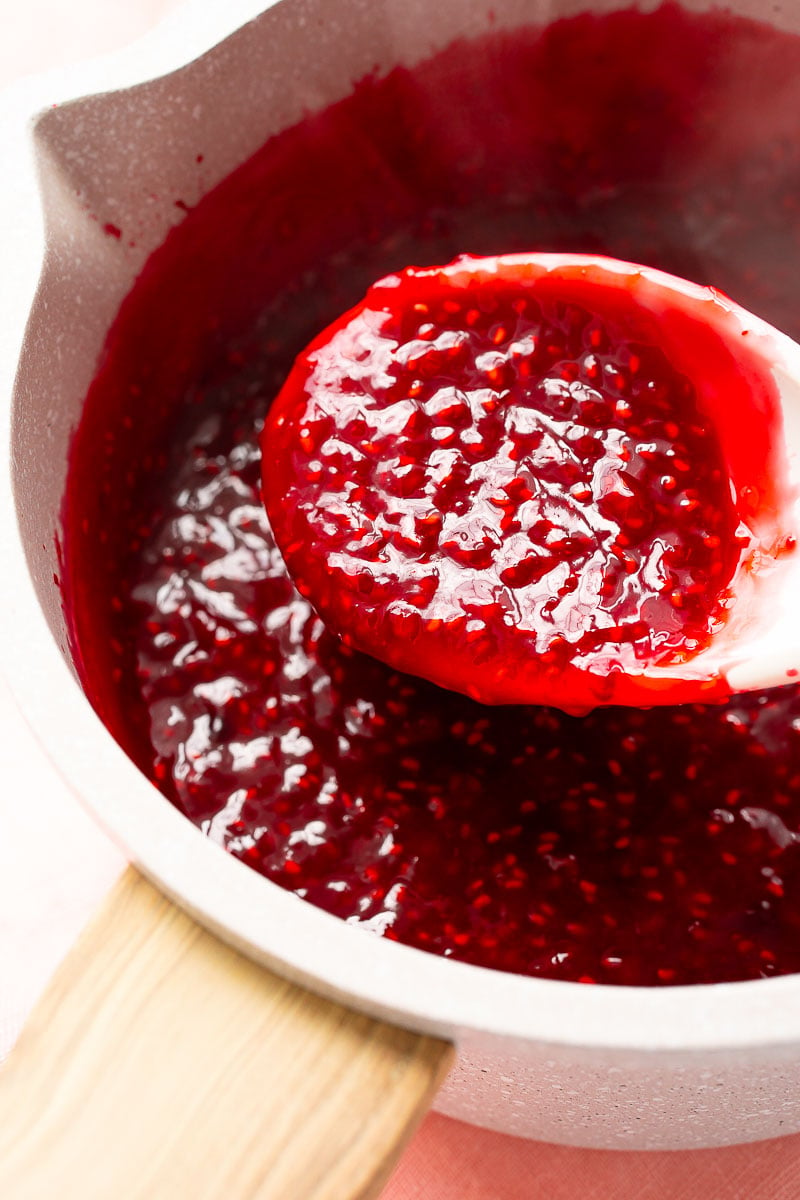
(161, 1063)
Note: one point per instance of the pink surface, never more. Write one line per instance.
(55, 866)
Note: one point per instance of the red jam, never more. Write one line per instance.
(480, 480)
(630, 846)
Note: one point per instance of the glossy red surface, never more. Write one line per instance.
(628, 847)
(493, 475)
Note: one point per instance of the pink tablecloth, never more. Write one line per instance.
(55, 867)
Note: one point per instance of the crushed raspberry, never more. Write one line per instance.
(626, 847)
(655, 847)
(480, 481)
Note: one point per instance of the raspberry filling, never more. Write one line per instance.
(629, 846)
(481, 481)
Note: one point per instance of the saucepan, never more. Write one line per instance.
(213, 1034)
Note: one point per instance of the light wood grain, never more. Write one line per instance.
(163, 1065)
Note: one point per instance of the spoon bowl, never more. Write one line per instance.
(546, 479)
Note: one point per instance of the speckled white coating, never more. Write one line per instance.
(585, 1065)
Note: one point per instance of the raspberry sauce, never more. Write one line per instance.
(493, 475)
(628, 846)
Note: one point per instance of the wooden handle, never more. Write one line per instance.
(163, 1065)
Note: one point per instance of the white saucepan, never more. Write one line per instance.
(585, 1065)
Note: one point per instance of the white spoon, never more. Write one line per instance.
(746, 382)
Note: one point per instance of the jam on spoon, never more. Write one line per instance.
(537, 479)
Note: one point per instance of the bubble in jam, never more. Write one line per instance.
(482, 480)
